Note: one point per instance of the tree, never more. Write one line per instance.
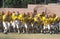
(1, 3)
(24, 3)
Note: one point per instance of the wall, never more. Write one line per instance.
(50, 8)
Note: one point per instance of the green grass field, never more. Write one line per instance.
(29, 36)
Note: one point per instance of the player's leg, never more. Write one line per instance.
(18, 28)
(17, 25)
(51, 28)
(26, 28)
(57, 27)
(48, 28)
(5, 27)
(32, 27)
(8, 23)
(44, 29)
(41, 28)
(13, 24)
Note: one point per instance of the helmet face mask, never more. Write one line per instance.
(54, 15)
(43, 13)
(16, 13)
(3, 12)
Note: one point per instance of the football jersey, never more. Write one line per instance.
(20, 17)
(1, 17)
(4, 17)
(30, 19)
(35, 19)
(38, 15)
(43, 18)
(56, 18)
(13, 16)
(51, 20)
